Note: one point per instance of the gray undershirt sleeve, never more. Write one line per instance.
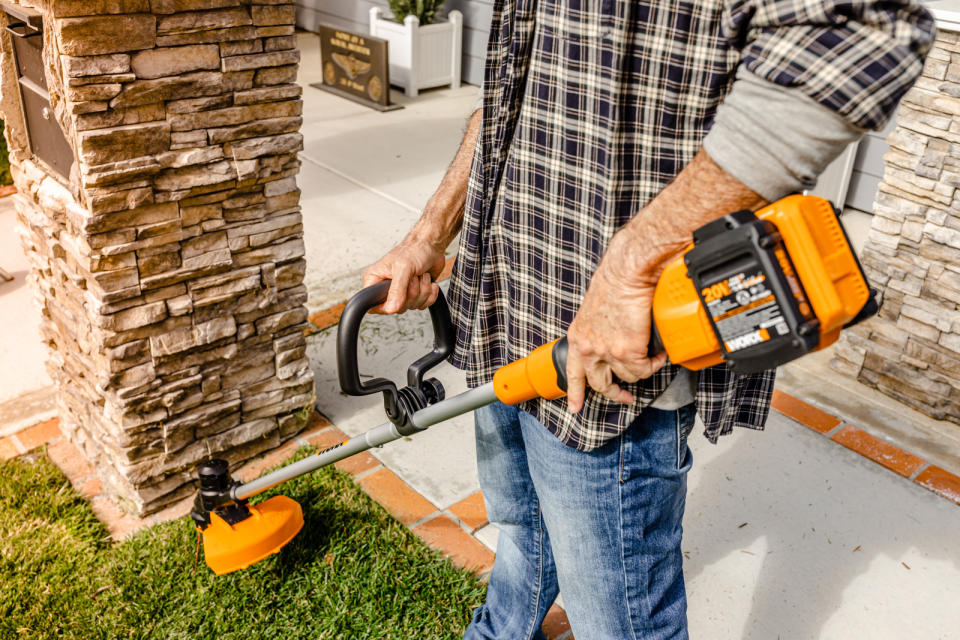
(775, 140)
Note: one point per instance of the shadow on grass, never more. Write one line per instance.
(352, 572)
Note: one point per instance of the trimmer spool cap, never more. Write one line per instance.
(271, 525)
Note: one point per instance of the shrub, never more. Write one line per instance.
(425, 10)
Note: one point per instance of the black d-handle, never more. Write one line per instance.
(348, 334)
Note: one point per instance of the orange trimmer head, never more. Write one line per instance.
(271, 525)
(236, 534)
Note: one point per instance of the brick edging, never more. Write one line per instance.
(7, 190)
(886, 454)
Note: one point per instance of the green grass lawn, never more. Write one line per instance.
(352, 572)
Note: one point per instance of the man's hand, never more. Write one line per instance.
(610, 334)
(413, 266)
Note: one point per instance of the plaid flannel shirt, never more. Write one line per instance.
(590, 108)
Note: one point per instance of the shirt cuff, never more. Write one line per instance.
(774, 139)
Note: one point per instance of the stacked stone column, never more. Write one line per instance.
(912, 351)
(169, 265)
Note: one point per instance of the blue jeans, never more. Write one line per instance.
(603, 527)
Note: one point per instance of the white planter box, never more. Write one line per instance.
(421, 57)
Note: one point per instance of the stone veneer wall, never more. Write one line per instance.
(912, 350)
(169, 266)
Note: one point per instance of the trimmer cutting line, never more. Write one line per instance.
(754, 290)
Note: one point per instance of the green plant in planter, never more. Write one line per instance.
(425, 10)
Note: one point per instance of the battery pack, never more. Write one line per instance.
(756, 306)
(759, 290)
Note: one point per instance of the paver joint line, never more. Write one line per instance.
(425, 519)
(19, 445)
(920, 469)
(835, 430)
(459, 522)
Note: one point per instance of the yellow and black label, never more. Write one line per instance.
(744, 310)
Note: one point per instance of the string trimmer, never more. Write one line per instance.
(754, 290)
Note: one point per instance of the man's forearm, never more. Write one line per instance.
(609, 336)
(443, 215)
(700, 193)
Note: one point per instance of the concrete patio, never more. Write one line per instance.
(788, 533)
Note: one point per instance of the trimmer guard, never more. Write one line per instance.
(271, 525)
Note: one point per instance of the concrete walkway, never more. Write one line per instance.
(365, 174)
(26, 392)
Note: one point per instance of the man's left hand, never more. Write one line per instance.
(610, 334)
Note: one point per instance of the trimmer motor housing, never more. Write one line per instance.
(214, 495)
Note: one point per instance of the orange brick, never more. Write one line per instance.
(118, 523)
(403, 503)
(255, 469)
(316, 421)
(38, 434)
(471, 511)
(328, 317)
(881, 452)
(556, 623)
(464, 550)
(941, 482)
(8, 450)
(803, 413)
(281, 453)
(7, 190)
(327, 438)
(355, 464)
(358, 463)
(69, 459)
(91, 488)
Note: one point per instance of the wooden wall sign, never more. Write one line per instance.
(355, 66)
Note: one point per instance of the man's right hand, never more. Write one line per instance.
(413, 266)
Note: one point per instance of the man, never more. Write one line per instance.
(609, 131)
